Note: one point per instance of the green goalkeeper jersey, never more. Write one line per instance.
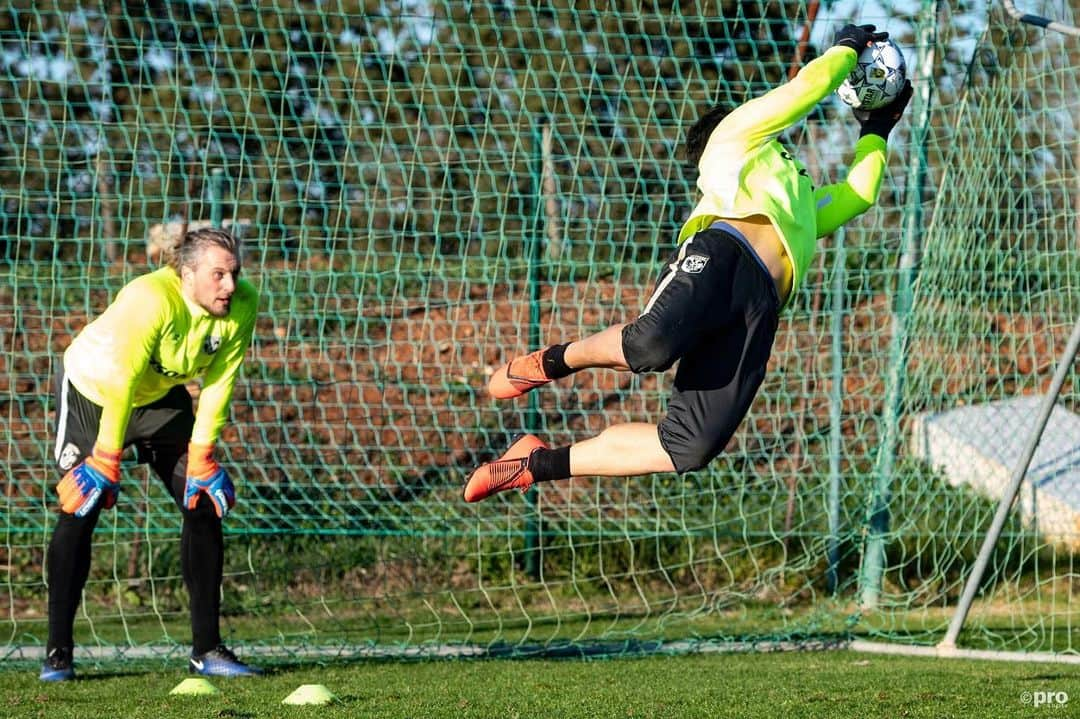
(744, 170)
(152, 338)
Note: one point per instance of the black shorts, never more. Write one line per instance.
(159, 431)
(715, 310)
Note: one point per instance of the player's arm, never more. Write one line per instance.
(120, 347)
(763, 118)
(204, 474)
(125, 337)
(221, 376)
(838, 203)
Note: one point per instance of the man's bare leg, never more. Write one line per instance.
(527, 372)
(621, 450)
(603, 349)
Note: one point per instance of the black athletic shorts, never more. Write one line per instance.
(159, 431)
(715, 310)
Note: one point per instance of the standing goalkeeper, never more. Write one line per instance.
(122, 384)
(742, 254)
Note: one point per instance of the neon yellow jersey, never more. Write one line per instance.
(744, 170)
(152, 338)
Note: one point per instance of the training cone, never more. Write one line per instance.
(310, 694)
(194, 687)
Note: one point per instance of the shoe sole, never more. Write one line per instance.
(56, 676)
(217, 670)
(227, 673)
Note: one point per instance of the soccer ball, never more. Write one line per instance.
(877, 79)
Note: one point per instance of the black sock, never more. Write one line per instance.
(554, 364)
(202, 559)
(69, 565)
(548, 465)
(202, 552)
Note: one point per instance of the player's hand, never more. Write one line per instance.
(881, 121)
(94, 480)
(205, 475)
(858, 37)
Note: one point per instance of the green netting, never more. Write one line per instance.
(425, 189)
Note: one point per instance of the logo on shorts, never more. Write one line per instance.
(694, 264)
(210, 344)
(68, 455)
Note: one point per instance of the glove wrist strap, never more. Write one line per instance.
(200, 458)
(108, 458)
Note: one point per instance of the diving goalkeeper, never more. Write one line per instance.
(741, 256)
(121, 384)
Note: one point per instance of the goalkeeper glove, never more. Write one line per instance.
(205, 475)
(95, 479)
(881, 121)
(858, 37)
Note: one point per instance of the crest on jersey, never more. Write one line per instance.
(694, 264)
(210, 344)
(68, 455)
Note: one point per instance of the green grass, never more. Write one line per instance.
(830, 685)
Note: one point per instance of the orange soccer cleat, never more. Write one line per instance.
(518, 376)
(510, 471)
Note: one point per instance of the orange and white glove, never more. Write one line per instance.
(95, 479)
(205, 475)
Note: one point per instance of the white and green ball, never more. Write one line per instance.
(877, 79)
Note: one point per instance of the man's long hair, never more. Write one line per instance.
(190, 249)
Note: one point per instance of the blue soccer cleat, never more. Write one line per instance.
(220, 662)
(58, 666)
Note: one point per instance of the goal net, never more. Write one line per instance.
(428, 188)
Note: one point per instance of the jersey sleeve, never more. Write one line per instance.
(839, 202)
(763, 118)
(132, 324)
(221, 375)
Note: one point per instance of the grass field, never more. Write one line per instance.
(792, 685)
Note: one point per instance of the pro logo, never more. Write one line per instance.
(68, 455)
(694, 264)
